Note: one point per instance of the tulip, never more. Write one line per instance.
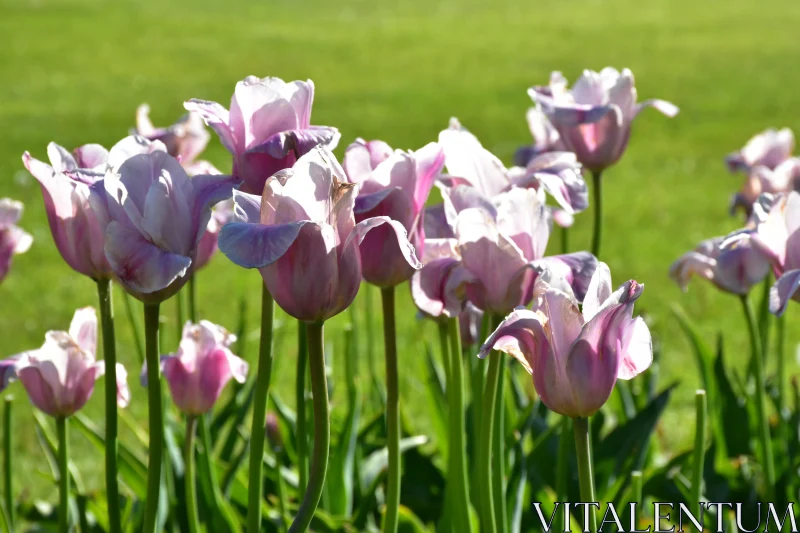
(732, 263)
(545, 138)
(594, 118)
(184, 140)
(267, 128)
(397, 187)
(202, 366)
(469, 163)
(305, 219)
(13, 240)
(785, 177)
(157, 215)
(575, 356)
(768, 149)
(207, 247)
(59, 377)
(503, 248)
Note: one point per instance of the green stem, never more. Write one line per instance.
(562, 467)
(258, 430)
(583, 449)
(489, 525)
(112, 424)
(598, 212)
(280, 489)
(8, 478)
(392, 411)
(499, 450)
(636, 486)
(478, 379)
(189, 475)
(180, 316)
(300, 400)
(448, 522)
(699, 451)
(444, 332)
(156, 422)
(779, 349)
(564, 240)
(458, 450)
(192, 299)
(761, 400)
(322, 429)
(63, 476)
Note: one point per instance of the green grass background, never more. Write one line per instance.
(73, 71)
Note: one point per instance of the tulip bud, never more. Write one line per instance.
(273, 430)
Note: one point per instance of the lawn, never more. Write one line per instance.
(75, 70)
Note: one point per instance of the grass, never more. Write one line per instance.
(75, 70)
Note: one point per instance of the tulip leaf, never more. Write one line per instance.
(733, 414)
(133, 470)
(624, 448)
(437, 400)
(409, 523)
(379, 459)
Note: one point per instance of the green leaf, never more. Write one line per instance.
(436, 402)
(378, 460)
(409, 523)
(132, 469)
(732, 414)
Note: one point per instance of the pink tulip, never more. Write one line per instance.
(439, 288)
(303, 238)
(545, 138)
(761, 179)
(201, 367)
(733, 264)
(768, 149)
(469, 163)
(396, 187)
(577, 356)
(157, 217)
(267, 128)
(184, 140)
(59, 377)
(207, 247)
(13, 240)
(594, 118)
(503, 247)
(778, 238)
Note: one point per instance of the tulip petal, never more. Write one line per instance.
(92, 156)
(522, 216)
(429, 162)
(299, 142)
(256, 245)
(783, 291)
(84, 329)
(428, 288)
(367, 202)
(638, 350)
(131, 146)
(435, 223)
(406, 249)
(690, 264)
(576, 268)
(361, 157)
(8, 370)
(661, 106)
(460, 197)
(526, 327)
(598, 292)
(138, 263)
(466, 158)
(247, 207)
(11, 210)
(217, 118)
(39, 390)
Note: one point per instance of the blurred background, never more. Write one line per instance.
(74, 71)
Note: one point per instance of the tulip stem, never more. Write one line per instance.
(189, 475)
(322, 429)
(257, 432)
(779, 353)
(110, 357)
(192, 299)
(458, 451)
(485, 449)
(63, 475)
(761, 400)
(598, 212)
(392, 411)
(300, 400)
(137, 334)
(583, 449)
(699, 451)
(564, 240)
(156, 421)
(7, 481)
(562, 468)
(180, 316)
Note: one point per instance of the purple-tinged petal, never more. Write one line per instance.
(576, 268)
(598, 292)
(247, 207)
(522, 216)
(129, 147)
(662, 106)
(92, 156)
(783, 291)
(638, 350)
(435, 223)
(8, 371)
(217, 118)
(299, 142)
(429, 162)
(256, 245)
(83, 329)
(361, 157)
(466, 158)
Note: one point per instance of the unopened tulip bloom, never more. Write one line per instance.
(732, 263)
(202, 366)
(768, 149)
(184, 140)
(469, 163)
(59, 377)
(157, 217)
(577, 356)
(397, 187)
(594, 118)
(503, 247)
(267, 128)
(545, 138)
(13, 240)
(303, 238)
